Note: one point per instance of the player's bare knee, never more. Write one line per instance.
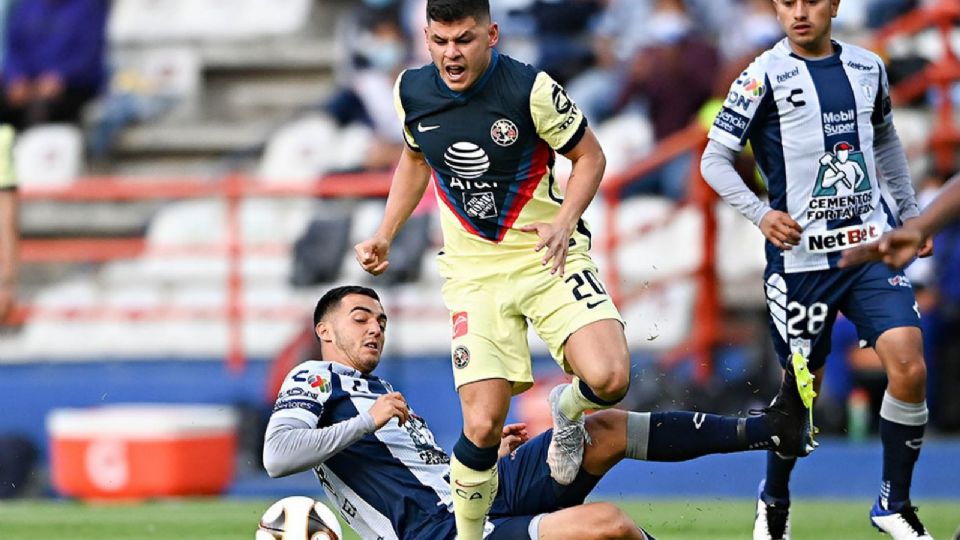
(483, 431)
(612, 386)
(911, 372)
(611, 523)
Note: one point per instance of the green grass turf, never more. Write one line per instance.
(213, 519)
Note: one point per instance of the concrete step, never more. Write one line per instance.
(282, 54)
(267, 95)
(214, 138)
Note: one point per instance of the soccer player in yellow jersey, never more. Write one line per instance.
(8, 223)
(487, 128)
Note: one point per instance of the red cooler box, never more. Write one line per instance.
(137, 451)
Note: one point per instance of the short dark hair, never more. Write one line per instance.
(455, 10)
(332, 299)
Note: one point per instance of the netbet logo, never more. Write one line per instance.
(839, 123)
(839, 239)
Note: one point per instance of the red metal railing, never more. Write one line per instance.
(704, 334)
(232, 189)
(942, 74)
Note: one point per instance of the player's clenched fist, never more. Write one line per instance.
(389, 406)
(780, 229)
(372, 254)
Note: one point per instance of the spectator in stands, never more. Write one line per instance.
(623, 29)
(54, 59)
(674, 77)
(8, 223)
(560, 28)
(367, 97)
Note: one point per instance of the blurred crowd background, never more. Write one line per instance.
(194, 173)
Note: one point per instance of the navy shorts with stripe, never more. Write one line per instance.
(802, 307)
(527, 490)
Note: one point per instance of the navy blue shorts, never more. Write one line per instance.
(803, 306)
(526, 489)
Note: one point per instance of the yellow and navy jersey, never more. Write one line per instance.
(492, 150)
(7, 178)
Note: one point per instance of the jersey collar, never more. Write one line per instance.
(477, 86)
(826, 60)
(341, 369)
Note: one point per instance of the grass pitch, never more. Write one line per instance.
(216, 519)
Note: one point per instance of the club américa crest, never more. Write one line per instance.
(504, 132)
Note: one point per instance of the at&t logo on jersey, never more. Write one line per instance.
(466, 160)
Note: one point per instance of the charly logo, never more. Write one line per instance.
(466, 160)
(504, 132)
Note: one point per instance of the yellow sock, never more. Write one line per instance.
(473, 493)
(573, 402)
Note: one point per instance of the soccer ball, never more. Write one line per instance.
(298, 518)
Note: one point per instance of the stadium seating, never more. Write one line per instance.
(50, 154)
(182, 20)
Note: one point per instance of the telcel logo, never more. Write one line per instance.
(786, 76)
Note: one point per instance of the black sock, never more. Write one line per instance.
(683, 435)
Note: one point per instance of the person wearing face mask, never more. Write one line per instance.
(366, 95)
(673, 77)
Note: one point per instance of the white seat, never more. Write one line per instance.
(50, 154)
(300, 151)
(420, 322)
(667, 251)
(661, 319)
(147, 20)
(205, 20)
(740, 246)
(204, 222)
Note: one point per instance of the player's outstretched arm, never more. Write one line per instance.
(589, 164)
(292, 445)
(898, 247)
(407, 188)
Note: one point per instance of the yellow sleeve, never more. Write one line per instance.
(398, 105)
(7, 178)
(557, 118)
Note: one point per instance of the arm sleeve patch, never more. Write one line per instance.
(557, 118)
(731, 127)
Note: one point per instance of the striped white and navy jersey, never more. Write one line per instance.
(391, 483)
(812, 125)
